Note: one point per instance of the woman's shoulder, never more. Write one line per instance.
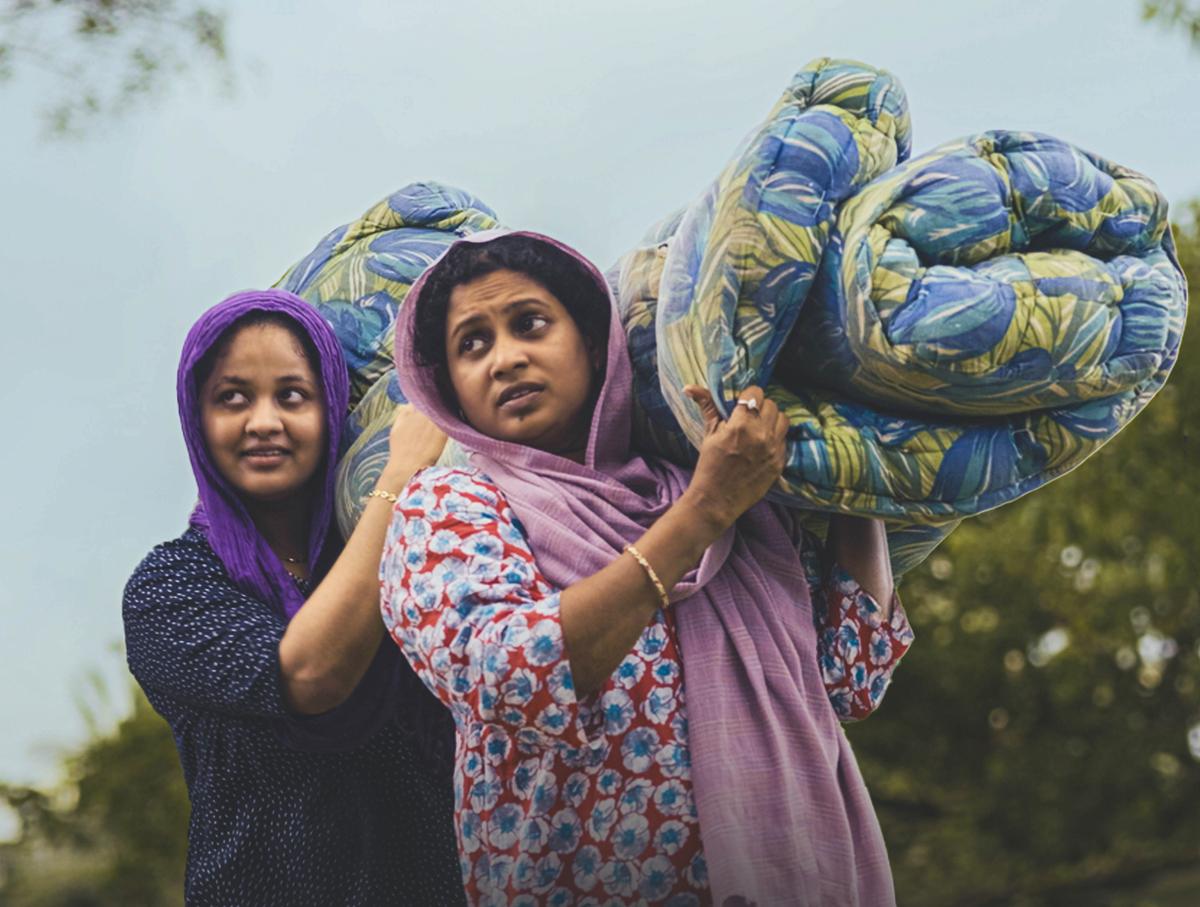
(181, 561)
(442, 497)
(186, 549)
(438, 487)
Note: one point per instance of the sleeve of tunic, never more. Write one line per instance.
(463, 598)
(858, 650)
(190, 633)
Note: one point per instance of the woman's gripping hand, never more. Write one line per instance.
(414, 442)
(740, 458)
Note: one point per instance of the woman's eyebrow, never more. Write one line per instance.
(246, 382)
(459, 326)
(507, 308)
(524, 300)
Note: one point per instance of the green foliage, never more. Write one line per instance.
(114, 833)
(1035, 749)
(106, 55)
(1181, 14)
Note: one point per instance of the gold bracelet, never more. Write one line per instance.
(380, 493)
(658, 586)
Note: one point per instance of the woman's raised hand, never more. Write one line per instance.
(413, 443)
(330, 643)
(741, 457)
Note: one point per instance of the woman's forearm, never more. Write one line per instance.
(330, 642)
(604, 614)
(859, 545)
(740, 459)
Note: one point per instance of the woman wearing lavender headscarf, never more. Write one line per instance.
(316, 764)
(646, 664)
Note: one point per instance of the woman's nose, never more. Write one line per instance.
(264, 418)
(508, 355)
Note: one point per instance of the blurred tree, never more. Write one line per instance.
(1042, 743)
(106, 55)
(1183, 14)
(115, 833)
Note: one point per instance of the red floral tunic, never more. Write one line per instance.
(559, 801)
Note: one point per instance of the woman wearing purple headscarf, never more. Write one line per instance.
(310, 751)
(646, 664)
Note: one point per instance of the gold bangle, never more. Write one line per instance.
(380, 493)
(658, 586)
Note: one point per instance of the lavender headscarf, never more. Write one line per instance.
(784, 815)
(389, 689)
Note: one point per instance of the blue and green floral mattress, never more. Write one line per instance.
(946, 333)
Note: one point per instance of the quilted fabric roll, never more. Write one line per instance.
(977, 321)
(985, 317)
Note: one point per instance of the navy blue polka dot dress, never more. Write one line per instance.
(272, 824)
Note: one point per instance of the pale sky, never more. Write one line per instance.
(587, 121)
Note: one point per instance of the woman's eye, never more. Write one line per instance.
(531, 322)
(293, 395)
(231, 398)
(470, 344)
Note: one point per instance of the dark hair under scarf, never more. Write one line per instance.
(560, 272)
(221, 515)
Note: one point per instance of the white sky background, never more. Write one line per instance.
(584, 120)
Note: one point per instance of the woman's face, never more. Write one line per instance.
(519, 366)
(263, 414)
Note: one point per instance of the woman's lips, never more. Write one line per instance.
(520, 399)
(267, 456)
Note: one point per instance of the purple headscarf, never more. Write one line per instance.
(784, 815)
(221, 515)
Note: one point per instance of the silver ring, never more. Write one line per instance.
(750, 404)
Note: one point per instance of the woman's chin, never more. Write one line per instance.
(269, 489)
(540, 430)
(528, 435)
